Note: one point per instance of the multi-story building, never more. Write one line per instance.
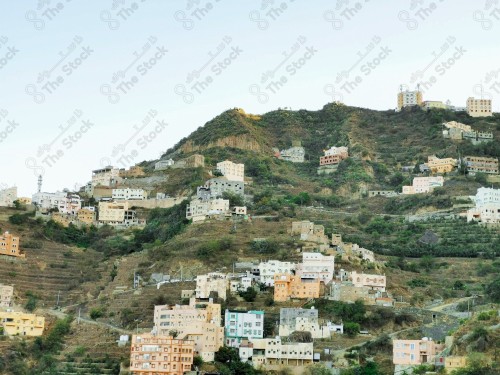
(436, 104)
(457, 125)
(128, 193)
(454, 362)
(409, 99)
(133, 172)
(374, 282)
(479, 107)
(198, 210)
(295, 154)
(273, 354)
(241, 283)
(294, 286)
(240, 325)
(87, 215)
(477, 137)
(8, 196)
(107, 176)
(334, 156)
(310, 232)
(481, 164)
(22, 324)
(6, 292)
(423, 185)
(215, 187)
(198, 321)
(214, 282)
(232, 171)
(306, 320)
(65, 203)
(317, 266)
(160, 354)
(163, 164)
(414, 352)
(437, 165)
(488, 213)
(268, 269)
(9, 245)
(117, 214)
(486, 196)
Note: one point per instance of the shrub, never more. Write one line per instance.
(96, 312)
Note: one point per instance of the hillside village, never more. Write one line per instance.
(341, 241)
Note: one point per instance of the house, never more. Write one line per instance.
(214, 282)
(241, 284)
(436, 104)
(423, 185)
(160, 354)
(163, 164)
(128, 193)
(487, 210)
(414, 352)
(8, 196)
(477, 137)
(306, 320)
(485, 196)
(350, 251)
(334, 155)
(375, 282)
(294, 286)
(63, 202)
(272, 354)
(239, 210)
(240, 325)
(294, 154)
(409, 99)
(107, 176)
(382, 193)
(10, 245)
(22, 324)
(268, 269)
(198, 321)
(215, 187)
(134, 172)
(86, 215)
(6, 292)
(316, 266)
(309, 232)
(454, 362)
(232, 171)
(437, 165)
(481, 164)
(479, 107)
(199, 210)
(117, 214)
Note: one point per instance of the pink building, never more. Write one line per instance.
(414, 352)
(423, 185)
(375, 282)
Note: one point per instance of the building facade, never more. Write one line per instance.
(317, 266)
(87, 215)
(214, 282)
(217, 186)
(10, 245)
(409, 99)
(334, 156)
(293, 286)
(232, 171)
(437, 165)
(413, 352)
(117, 214)
(160, 354)
(134, 172)
(481, 164)
(268, 269)
(8, 196)
(374, 282)
(6, 292)
(163, 164)
(198, 210)
(240, 325)
(127, 193)
(479, 107)
(423, 185)
(107, 176)
(294, 154)
(22, 324)
(273, 354)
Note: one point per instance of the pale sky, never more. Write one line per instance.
(84, 83)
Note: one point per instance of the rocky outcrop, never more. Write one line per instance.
(243, 142)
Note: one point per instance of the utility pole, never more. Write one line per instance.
(79, 315)
(58, 293)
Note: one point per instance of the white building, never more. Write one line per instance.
(294, 154)
(423, 185)
(198, 210)
(127, 193)
(65, 203)
(212, 282)
(241, 325)
(273, 354)
(487, 210)
(317, 266)
(409, 99)
(241, 284)
(306, 320)
(479, 107)
(107, 176)
(232, 171)
(486, 195)
(163, 164)
(268, 269)
(8, 196)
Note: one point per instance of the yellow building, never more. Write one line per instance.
(479, 107)
(86, 216)
(437, 165)
(409, 99)
(293, 286)
(23, 324)
(112, 212)
(9, 245)
(157, 354)
(24, 200)
(454, 362)
(428, 104)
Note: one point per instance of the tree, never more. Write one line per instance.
(249, 295)
(493, 290)
(234, 199)
(317, 369)
(197, 361)
(227, 355)
(351, 329)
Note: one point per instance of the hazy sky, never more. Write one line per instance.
(85, 83)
